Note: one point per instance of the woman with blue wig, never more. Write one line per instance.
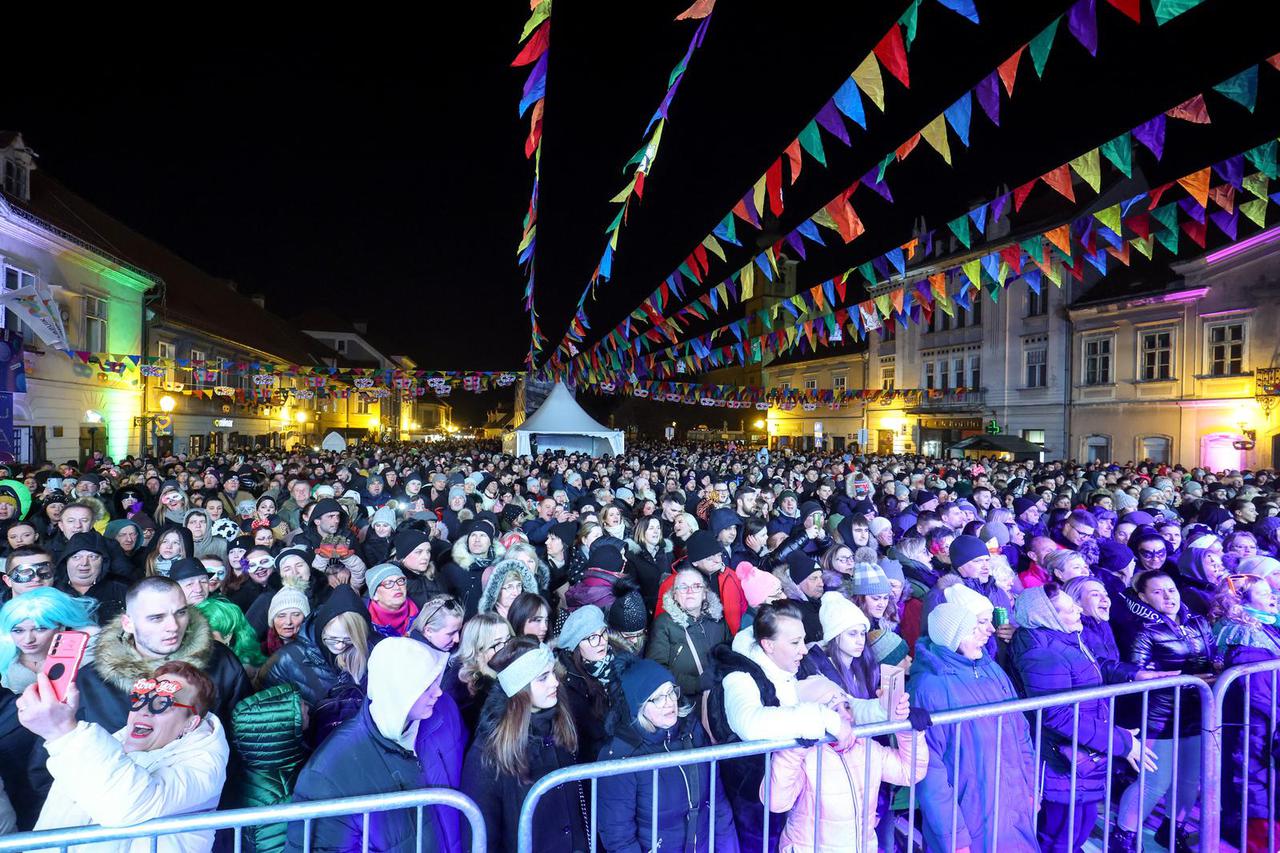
(27, 625)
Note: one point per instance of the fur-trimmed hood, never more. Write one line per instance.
(489, 598)
(634, 547)
(117, 662)
(466, 559)
(711, 608)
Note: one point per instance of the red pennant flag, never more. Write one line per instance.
(1192, 110)
(1012, 255)
(1131, 8)
(1155, 194)
(1020, 193)
(1009, 70)
(1060, 180)
(908, 146)
(1274, 61)
(841, 285)
(1224, 196)
(1139, 224)
(534, 47)
(700, 252)
(773, 183)
(1196, 231)
(639, 187)
(893, 55)
(793, 155)
(845, 217)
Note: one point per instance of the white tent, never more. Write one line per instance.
(334, 441)
(561, 424)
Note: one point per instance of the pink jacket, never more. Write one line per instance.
(792, 783)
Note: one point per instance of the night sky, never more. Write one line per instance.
(381, 171)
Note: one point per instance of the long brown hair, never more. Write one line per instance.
(507, 748)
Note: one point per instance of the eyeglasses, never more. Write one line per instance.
(31, 571)
(400, 581)
(595, 640)
(337, 644)
(844, 558)
(1151, 555)
(498, 645)
(631, 636)
(690, 587)
(157, 695)
(671, 696)
(513, 586)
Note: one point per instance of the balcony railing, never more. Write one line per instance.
(947, 400)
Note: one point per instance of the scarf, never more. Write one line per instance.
(602, 670)
(397, 622)
(1262, 616)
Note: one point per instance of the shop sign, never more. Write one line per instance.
(951, 423)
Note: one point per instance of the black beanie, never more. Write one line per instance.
(408, 539)
(966, 548)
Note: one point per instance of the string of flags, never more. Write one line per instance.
(1241, 88)
(536, 39)
(783, 398)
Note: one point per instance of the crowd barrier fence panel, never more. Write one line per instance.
(592, 773)
(239, 819)
(1225, 682)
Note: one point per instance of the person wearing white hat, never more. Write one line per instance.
(845, 657)
(952, 670)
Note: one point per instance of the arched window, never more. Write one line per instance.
(1157, 448)
(1097, 448)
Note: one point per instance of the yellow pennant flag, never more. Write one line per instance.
(1054, 272)
(758, 194)
(973, 271)
(1144, 245)
(867, 76)
(1110, 217)
(713, 245)
(1255, 210)
(1256, 184)
(747, 279)
(1089, 168)
(883, 304)
(935, 133)
(625, 193)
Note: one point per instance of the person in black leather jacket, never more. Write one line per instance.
(1171, 638)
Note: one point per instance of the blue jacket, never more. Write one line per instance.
(1050, 661)
(441, 744)
(942, 680)
(684, 799)
(1100, 640)
(1249, 754)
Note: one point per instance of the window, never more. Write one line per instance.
(886, 378)
(975, 372)
(166, 350)
(204, 369)
(957, 366)
(1037, 303)
(838, 383)
(1157, 448)
(928, 374)
(944, 377)
(977, 311)
(1097, 361)
(340, 345)
(810, 385)
(95, 324)
(15, 179)
(15, 278)
(1097, 448)
(1226, 349)
(1035, 436)
(1157, 355)
(362, 405)
(1037, 365)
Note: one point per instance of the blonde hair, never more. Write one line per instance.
(477, 635)
(355, 659)
(690, 520)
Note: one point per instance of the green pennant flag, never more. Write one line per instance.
(1166, 10)
(1167, 215)
(1119, 152)
(993, 290)
(909, 20)
(617, 221)
(1263, 158)
(960, 227)
(868, 272)
(1242, 88)
(1256, 184)
(810, 141)
(1255, 210)
(1034, 247)
(1110, 217)
(1169, 239)
(884, 164)
(1143, 245)
(1042, 44)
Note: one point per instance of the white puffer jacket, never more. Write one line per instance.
(96, 782)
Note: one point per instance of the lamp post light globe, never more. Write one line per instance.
(300, 417)
(167, 403)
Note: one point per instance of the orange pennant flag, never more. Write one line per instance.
(1197, 186)
(1224, 196)
(1009, 69)
(907, 147)
(699, 9)
(1060, 237)
(1060, 180)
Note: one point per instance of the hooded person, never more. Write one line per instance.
(1050, 657)
(202, 537)
(84, 570)
(123, 530)
(474, 550)
(499, 585)
(375, 752)
(952, 670)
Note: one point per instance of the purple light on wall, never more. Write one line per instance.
(1259, 239)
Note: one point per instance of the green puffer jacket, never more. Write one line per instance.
(266, 735)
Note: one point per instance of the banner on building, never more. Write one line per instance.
(13, 377)
(35, 306)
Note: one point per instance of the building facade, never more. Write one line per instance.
(71, 408)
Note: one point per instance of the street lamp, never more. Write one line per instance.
(759, 424)
(166, 404)
(300, 416)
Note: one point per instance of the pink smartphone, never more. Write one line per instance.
(63, 662)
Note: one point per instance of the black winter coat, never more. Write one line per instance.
(356, 759)
(559, 824)
(589, 702)
(1163, 644)
(649, 570)
(1101, 643)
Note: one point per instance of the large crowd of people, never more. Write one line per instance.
(279, 627)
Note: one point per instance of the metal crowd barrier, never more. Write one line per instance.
(592, 773)
(1225, 682)
(238, 819)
